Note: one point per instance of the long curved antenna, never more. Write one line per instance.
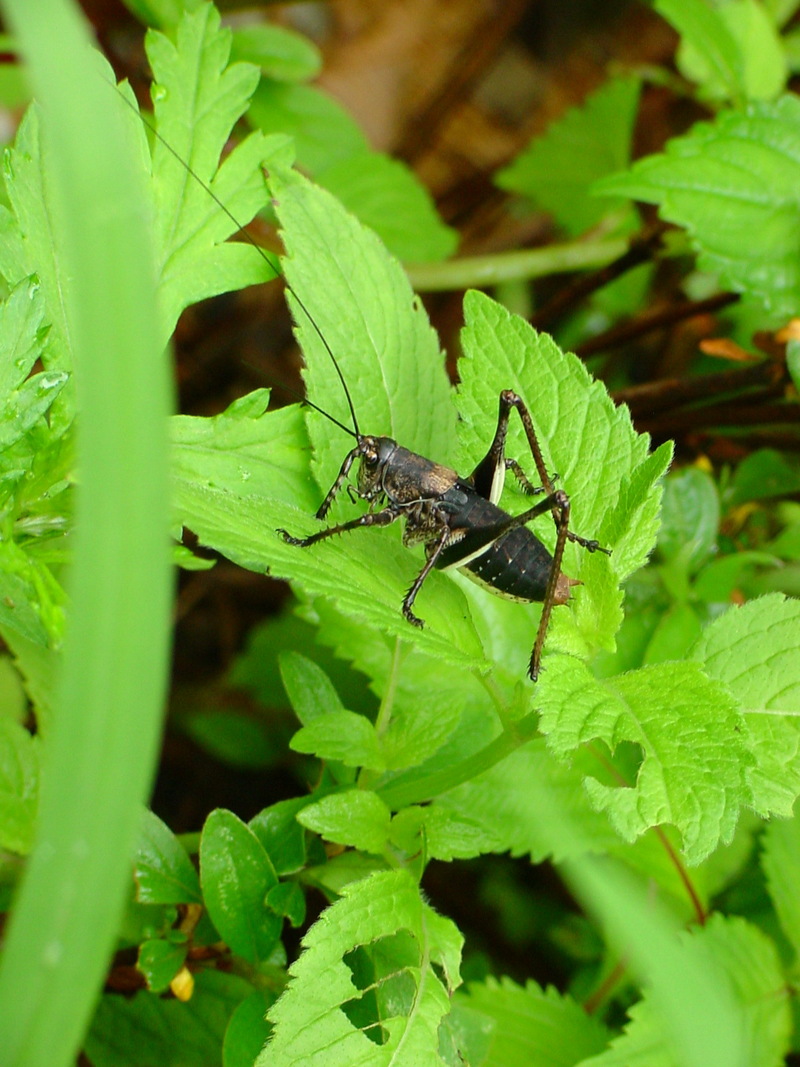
(223, 207)
(307, 402)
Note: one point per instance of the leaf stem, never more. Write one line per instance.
(483, 271)
(419, 790)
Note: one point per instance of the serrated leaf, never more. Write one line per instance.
(357, 817)
(21, 335)
(439, 833)
(197, 100)
(387, 196)
(780, 861)
(382, 912)
(745, 966)
(753, 650)
(694, 759)
(584, 438)
(375, 327)
(534, 1026)
(246, 451)
(733, 184)
(236, 874)
(20, 756)
(163, 871)
(590, 141)
(310, 690)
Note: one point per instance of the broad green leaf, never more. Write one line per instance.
(246, 451)
(388, 197)
(689, 517)
(357, 818)
(734, 185)
(745, 964)
(367, 966)
(236, 874)
(534, 1026)
(557, 168)
(166, 1033)
(693, 756)
(512, 804)
(284, 839)
(602, 463)
(159, 961)
(780, 861)
(309, 689)
(279, 52)
(753, 650)
(20, 757)
(247, 1031)
(761, 65)
(703, 27)
(287, 899)
(360, 301)
(237, 739)
(675, 633)
(163, 871)
(344, 736)
(197, 99)
(322, 130)
(438, 833)
(764, 473)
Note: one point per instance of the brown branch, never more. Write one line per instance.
(643, 247)
(651, 397)
(653, 320)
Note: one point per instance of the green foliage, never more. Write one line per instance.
(658, 737)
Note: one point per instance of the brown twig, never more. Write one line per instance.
(653, 320)
(651, 397)
(642, 248)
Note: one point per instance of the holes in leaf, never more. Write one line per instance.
(618, 769)
(382, 972)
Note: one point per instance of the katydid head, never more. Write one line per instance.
(374, 453)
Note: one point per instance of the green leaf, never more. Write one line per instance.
(166, 1033)
(753, 650)
(247, 1031)
(356, 817)
(439, 834)
(512, 804)
(164, 873)
(388, 197)
(323, 132)
(601, 461)
(557, 168)
(734, 185)
(745, 965)
(279, 52)
(236, 874)
(284, 839)
(687, 727)
(197, 99)
(246, 451)
(760, 64)
(704, 28)
(780, 861)
(239, 740)
(689, 517)
(159, 961)
(368, 967)
(310, 690)
(764, 473)
(532, 1025)
(20, 757)
(375, 327)
(344, 736)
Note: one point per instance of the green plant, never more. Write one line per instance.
(642, 763)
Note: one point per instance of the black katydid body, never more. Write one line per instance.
(458, 520)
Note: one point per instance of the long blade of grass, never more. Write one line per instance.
(107, 721)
